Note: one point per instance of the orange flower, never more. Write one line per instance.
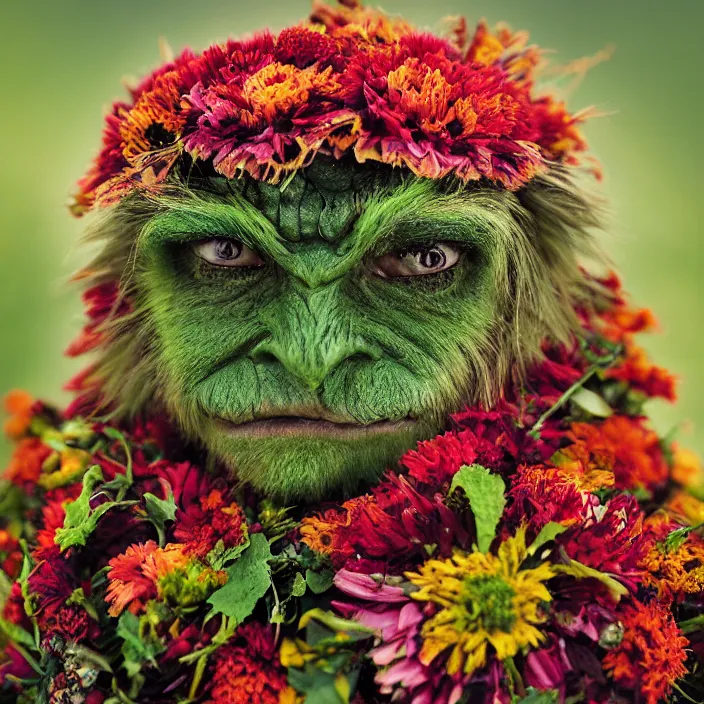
(686, 508)
(319, 533)
(26, 462)
(687, 468)
(19, 405)
(135, 574)
(621, 320)
(673, 572)
(651, 656)
(624, 446)
(638, 371)
(576, 465)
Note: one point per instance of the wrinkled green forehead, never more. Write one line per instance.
(321, 201)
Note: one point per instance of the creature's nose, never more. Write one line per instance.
(310, 336)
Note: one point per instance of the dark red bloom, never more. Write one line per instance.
(200, 526)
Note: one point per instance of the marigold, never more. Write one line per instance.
(624, 446)
(19, 404)
(674, 570)
(484, 599)
(651, 656)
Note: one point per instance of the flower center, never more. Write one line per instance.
(489, 599)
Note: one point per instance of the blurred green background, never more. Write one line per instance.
(63, 62)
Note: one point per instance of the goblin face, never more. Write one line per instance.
(308, 334)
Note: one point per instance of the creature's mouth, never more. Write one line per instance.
(299, 426)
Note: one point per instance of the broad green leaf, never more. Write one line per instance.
(485, 493)
(592, 403)
(319, 582)
(548, 532)
(319, 687)
(248, 580)
(580, 571)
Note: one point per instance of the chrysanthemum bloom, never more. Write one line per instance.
(248, 671)
(627, 447)
(483, 600)
(651, 656)
(146, 571)
(208, 521)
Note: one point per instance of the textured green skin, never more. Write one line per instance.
(316, 332)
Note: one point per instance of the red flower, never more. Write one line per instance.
(541, 494)
(611, 538)
(53, 515)
(651, 656)
(72, 624)
(51, 582)
(102, 303)
(302, 47)
(203, 524)
(248, 670)
(387, 530)
(436, 461)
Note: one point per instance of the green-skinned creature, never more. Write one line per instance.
(307, 334)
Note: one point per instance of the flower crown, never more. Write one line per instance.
(350, 81)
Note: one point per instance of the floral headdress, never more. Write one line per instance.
(350, 81)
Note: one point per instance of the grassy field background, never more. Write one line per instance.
(62, 64)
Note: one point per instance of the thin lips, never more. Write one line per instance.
(301, 425)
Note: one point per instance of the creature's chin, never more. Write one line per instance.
(303, 460)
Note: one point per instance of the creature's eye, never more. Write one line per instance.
(222, 251)
(417, 261)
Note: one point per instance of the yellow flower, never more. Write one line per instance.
(485, 600)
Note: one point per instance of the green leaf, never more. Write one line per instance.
(16, 634)
(248, 580)
(137, 648)
(539, 696)
(548, 532)
(219, 556)
(319, 582)
(580, 571)
(160, 511)
(592, 403)
(80, 519)
(485, 493)
(299, 585)
(319, 687)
